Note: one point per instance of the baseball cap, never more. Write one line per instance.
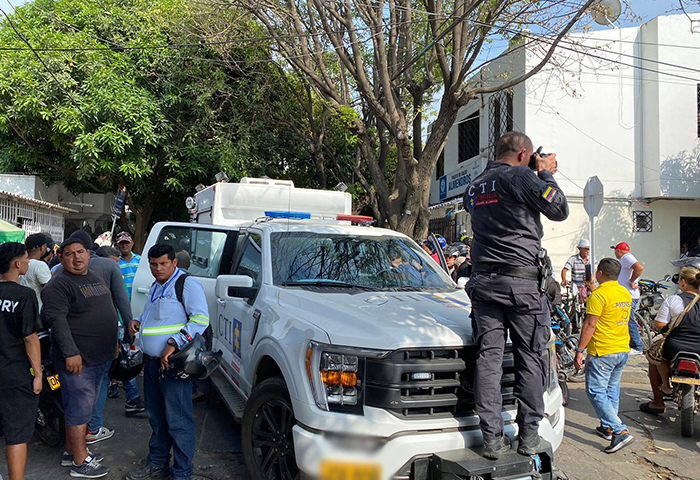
(584, 243)
(36, 240)
(622, 246)
(123, 237)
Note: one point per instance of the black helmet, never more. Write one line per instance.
(128, 364)
(194, 360)
(451, 251)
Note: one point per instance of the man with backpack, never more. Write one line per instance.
(176, 310)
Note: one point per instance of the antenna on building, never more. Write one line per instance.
(605, 12)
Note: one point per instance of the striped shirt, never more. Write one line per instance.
(129, 271)
(577, 267)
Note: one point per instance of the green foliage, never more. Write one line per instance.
(159, 121)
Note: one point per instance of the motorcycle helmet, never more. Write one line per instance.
(451, 251)
(128, 364)
(194, 360)
(441, 240)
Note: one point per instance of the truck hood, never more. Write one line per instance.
(384, 320)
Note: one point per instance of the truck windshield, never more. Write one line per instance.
(376, 262)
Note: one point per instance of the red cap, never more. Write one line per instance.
(622, 246)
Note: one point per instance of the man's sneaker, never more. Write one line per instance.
(89, 469)
(619, 440)
(604, 432)
(113, 391)
(528, 444)
(634, 351)
(134, 407)
(102, 434)
(493, 449)
(147, 472)
(67, 458)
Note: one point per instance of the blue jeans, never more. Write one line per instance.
(635, 339)
(79, 393)
(169, 407)
(603, 387)
(130, 389)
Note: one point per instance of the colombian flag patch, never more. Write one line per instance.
(548, 194)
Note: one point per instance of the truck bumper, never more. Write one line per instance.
(407, 454)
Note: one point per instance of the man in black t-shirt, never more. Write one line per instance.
(79, 310)
(20, 357)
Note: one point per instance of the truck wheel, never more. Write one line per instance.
(268, 445)
(687, 410)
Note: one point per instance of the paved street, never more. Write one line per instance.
(659, 451)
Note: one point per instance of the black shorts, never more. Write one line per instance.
(18, 407)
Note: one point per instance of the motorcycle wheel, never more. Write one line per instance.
(51, 433)
(564, 392)
(687, 409)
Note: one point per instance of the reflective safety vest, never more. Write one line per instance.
(164, 316)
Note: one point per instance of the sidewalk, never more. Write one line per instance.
(636, 370)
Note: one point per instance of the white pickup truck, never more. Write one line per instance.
(348, 352)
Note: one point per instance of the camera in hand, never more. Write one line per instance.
(533, 158)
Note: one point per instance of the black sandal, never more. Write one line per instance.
(647, 408)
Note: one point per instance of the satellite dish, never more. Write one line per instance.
(605, 12)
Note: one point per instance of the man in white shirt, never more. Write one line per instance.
(631, 271)
(577, 265)
(38, 274)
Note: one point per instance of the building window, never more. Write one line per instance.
(500, 117)
(440, 167)
(468, 135)
(642, 222)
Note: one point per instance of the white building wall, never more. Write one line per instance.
(636, 130)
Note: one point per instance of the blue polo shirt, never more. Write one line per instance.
(165, 317)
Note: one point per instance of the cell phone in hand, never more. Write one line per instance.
(589, 272)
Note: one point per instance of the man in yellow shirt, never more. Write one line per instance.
(606, 335)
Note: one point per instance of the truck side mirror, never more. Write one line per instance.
(235, 286)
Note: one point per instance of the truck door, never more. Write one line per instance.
(204, 251)
(238, 317)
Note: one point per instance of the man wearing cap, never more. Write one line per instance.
(129, 261)
(577, 265)
(38, 273)
(631, 271)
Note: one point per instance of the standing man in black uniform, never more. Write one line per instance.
(505, 203)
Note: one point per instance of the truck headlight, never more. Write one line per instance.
(552, 377)
(337, 375)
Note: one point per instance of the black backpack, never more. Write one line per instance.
(179, 288)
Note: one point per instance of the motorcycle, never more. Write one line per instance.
(685, 378)
(50, 425)
(650, 300)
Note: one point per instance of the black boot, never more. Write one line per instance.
(494, 448)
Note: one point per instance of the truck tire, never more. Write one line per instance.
(266, 432)
(687, 410)
(565, 395)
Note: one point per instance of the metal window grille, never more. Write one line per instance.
(447, 227)
(468, 137)
(500, 117)
(642, 221)
(32, 219)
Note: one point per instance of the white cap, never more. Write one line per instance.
(584, 243)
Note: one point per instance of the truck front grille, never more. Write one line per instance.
(429, 382)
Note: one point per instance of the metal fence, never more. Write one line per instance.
(447, 227)
(31, 218)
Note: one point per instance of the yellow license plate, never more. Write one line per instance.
(350, 471)
(53, 382)
(688, 380)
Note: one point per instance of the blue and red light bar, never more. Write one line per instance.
(308, 216)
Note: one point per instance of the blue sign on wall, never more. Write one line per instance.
(443, 187)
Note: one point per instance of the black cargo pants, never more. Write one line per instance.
(502, 304)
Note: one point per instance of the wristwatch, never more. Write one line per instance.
(172, 342)
(579, 350)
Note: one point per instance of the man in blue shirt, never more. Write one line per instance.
(129, 261)
(166, 326)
